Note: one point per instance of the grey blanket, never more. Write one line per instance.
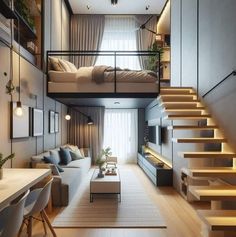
(98, 72)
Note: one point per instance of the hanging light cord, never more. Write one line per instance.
(18, 38)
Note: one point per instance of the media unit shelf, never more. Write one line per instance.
(160, 176)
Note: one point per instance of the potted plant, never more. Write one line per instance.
(100, 161)
(106, 152)
(3, 161)
(153, 59)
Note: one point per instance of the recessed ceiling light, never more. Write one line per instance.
(116, 102)
(147, 7)
(88, 7)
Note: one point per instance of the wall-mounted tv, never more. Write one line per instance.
(154, 134)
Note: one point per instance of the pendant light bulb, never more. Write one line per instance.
(18, 110)
(67, 117)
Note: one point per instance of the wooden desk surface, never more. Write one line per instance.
(17, 181)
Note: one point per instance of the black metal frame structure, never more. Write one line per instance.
(114, 54)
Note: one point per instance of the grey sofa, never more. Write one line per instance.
(65, 184)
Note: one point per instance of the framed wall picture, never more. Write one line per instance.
(51, 121)
(20, 126)
(37, 122)
(56, 122)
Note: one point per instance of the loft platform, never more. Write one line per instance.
(97, 84)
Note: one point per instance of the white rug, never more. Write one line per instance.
(135, 209)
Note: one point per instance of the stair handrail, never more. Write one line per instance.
(233, 73)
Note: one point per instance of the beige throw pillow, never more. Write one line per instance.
(64, 65)
(72, 66)
(55, 65)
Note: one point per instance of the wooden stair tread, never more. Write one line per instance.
(184, 110)
(187, 116)
(199, 140)
(177, 98)
(212, 172)
(176, 88)
(219, 220)
(179, 105)
(214, 192)
(178, 92)
(191, 127)
(207, 154)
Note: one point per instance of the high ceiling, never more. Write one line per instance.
(122, 7)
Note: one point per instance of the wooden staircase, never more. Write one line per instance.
(184, 105)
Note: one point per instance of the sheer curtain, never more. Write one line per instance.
(119, 35)
(121, 134)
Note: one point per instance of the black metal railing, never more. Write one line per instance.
(233, 73)
(114, 54)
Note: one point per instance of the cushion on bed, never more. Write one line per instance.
(64, 65)
(55, 65)
(72, 66)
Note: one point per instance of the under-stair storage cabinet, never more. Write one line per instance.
(160, 176)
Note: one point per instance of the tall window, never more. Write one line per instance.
(120, 134)
(119, 35)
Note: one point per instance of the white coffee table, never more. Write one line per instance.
(109, 184)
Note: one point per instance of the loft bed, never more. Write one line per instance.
(65, 80)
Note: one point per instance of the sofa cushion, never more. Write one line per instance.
(52, 160)
(84, 164)
(65, 156)
(56, 155)
(76, 155)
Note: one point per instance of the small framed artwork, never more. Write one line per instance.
(51, 121)
(37, 122)
(56, 122)
(20, 125)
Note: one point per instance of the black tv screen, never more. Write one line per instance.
(152, 134)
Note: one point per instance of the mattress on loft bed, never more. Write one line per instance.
(100, 79)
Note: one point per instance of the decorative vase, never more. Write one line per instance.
(100, 174)
(1, 173)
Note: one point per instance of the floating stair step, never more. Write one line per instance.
(192, 111)
(199, 140)
(190, 127)
(178, 92)
(219, 220)
(208, 154)
(178, 98)
(187, 116)
(179, 105)
(212, 172)
(184, 110)
(176, 88)
(214, 193)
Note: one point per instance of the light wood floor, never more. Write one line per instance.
(180, 216)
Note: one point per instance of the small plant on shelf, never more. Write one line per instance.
(153, 59)
(22, 7)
